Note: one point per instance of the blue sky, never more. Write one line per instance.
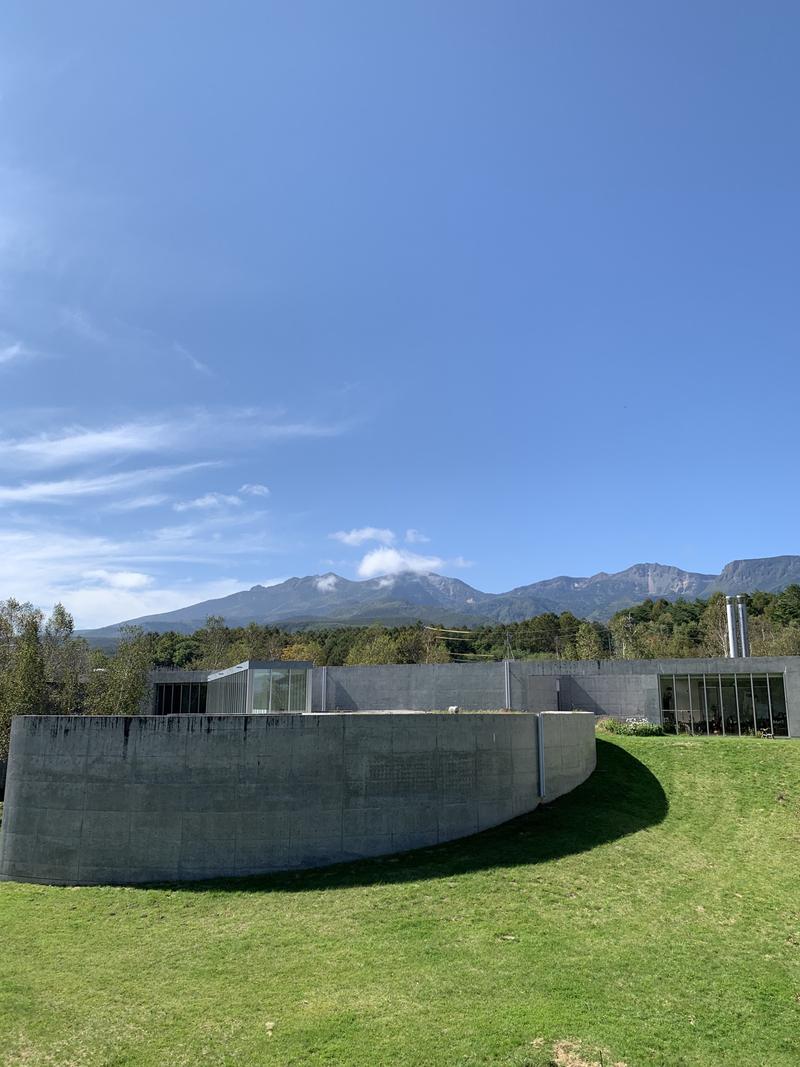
(520, 278)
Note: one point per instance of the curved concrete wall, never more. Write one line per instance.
(93, 800)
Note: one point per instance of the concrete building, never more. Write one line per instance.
(745, 695)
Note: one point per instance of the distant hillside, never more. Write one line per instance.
(329, 599)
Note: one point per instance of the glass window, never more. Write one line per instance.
(683, 719)
(697, 699)
(761, 697)
(667, 686)
(747, 723)
(280, 691)
(730, 708)
(261, 688)
(185, 698)
(297, 691)
(780, 724)
(713, 704)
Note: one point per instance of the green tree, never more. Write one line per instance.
(66, 661)
(254, 642)
(304, 648)
(23, 687)
(214, 643)
(626, 636)
(568, 626)
(588, 642)
(120, 685)
(714, 627)
(374, 646)
(785, 608)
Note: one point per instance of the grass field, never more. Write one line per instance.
(651, 917)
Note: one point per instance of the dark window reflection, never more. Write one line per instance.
(713, 704)
(730, 704)
(747, 722)
(780, 724)
(761, 696)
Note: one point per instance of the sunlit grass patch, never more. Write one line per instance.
(651, 917)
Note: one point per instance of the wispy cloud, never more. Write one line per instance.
(137, 503)
(414, 537)
(208, 500)
(79, 322)
(96, 603)
(69, 488)
(293, 431)
(102, 579)
(78, 444)
(254, 489)
(194, 363)
(175, 432)
(363, 534)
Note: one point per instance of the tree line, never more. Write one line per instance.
(654, 629)
(46, 669)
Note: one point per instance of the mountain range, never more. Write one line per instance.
(329, 599)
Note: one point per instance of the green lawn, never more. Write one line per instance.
(651, 917)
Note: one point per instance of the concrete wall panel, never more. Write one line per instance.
(132, 800)
(413, 686)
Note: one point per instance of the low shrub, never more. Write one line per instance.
(634, 727)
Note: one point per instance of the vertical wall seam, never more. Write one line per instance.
(540, 753)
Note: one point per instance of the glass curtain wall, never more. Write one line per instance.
(228, 695)
(738, 704)
(279, 689)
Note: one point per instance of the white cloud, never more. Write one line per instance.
(103, 580)
(326, 583)
(208, 500)
(394, 561)
(254, 489)
(121, 579)
(70, 488)
(414, 537)
(14, 350)
(364, 533)
(100, 605)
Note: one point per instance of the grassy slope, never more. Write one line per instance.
(661, 929)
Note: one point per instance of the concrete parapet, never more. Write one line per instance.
(116, 800)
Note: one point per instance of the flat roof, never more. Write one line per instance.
(261, 665)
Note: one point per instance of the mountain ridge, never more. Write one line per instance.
(330, 599)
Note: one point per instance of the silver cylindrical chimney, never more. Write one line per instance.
(733, 644)
(744, 633)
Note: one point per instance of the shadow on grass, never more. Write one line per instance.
(620, 798)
